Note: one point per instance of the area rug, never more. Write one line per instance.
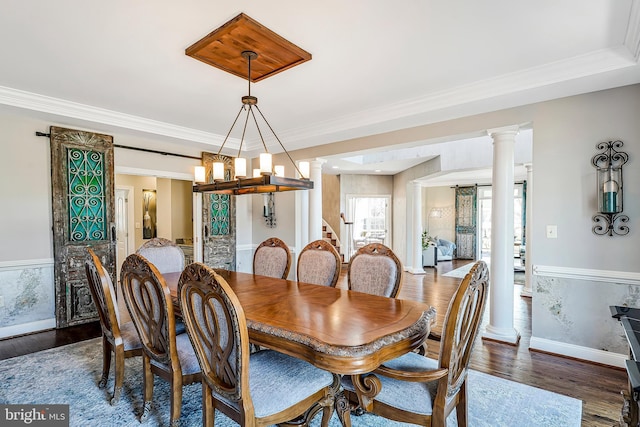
(69, 375)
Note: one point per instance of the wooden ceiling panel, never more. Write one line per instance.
(223, 47)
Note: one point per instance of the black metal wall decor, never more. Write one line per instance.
(609, 220)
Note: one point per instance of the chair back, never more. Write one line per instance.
(217, 328)
(272, 258)
(148, 300)
(461, 325)
(165, 255)
(319, 263)
(104, 295)
(376, 270)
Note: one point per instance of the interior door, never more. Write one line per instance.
(83, 217)
(122, 227)
(218, 220)
(466, 222)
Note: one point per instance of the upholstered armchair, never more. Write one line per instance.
(375, 269)
(415, 389)
(253, 389)
(119, 339)
(319, 263)
(445, 249)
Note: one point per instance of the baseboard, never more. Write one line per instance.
(26, 328)
(578, 352)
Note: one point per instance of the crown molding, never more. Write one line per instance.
(632, 37)
(589, 64)
(382, 117)
(64, 108)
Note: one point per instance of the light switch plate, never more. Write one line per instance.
(552, 231)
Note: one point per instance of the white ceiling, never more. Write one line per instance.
(378, 66)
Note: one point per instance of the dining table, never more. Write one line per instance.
(342, 331)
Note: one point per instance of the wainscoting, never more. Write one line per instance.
(27, 301)
(570, 312)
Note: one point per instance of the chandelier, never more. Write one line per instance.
(268, 178)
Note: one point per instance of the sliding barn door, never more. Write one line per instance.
(218, 219)
(83, 217)
(466, 228)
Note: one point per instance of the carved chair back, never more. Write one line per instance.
(375, 269)
(165, 255)
(272, 258)
(104, 296)
(319, 263)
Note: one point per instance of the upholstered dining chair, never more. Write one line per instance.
(319, 263)
(272, 258)
(375, 269)
(167, 355)
(165, 255)
(418, 390)
(253, 389)
(119, 339)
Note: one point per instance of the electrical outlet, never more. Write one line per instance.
(552, 231)
(1, 301)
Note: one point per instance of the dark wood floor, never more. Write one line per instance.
(597, 386)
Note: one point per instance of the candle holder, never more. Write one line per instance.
(609, 220)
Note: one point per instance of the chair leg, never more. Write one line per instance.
(106, 362)
(147, 388)
(176, 398)
(461, 408)
(119, 374)
(208, 412)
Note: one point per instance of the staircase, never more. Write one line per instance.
(330, 236)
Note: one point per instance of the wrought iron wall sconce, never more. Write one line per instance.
(269, 210)
(609, 220)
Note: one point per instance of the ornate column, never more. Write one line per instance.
(500, 326)
(414, 237)
(528, 271)
(315, 200)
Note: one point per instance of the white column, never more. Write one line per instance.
(315, 201)
(414, 231)
(528, 271)
(500, 326)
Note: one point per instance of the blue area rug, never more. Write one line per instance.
(69, 375)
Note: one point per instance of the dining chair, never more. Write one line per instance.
(272, 258)
(119, 339)
(165, 255)
(168, 355)
(415, 389)
(375, 269)
(319, 263)
(253, 389)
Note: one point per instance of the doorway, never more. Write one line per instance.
(371, 219)
(125, 240)
(484, 219)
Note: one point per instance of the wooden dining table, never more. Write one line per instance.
(341, 331)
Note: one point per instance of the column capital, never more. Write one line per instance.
(505, 130)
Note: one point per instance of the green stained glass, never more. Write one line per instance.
(220, 214)
(85, 178)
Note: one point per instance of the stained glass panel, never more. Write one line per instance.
(220, 214)
(85, 178)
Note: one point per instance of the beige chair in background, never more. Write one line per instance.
(375, 269)
(272, 258)
(169, 356)
(121, 339)
(257, 389)
(165, 255)
(418, 390)
(319, 263)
